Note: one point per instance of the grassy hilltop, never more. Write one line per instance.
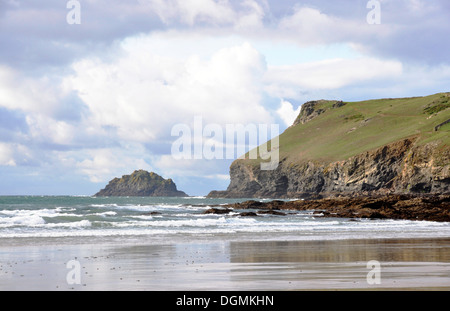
(385, 145)
(355, 127)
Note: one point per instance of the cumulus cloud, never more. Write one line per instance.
(7, 155)
(143, 94)
(45, 129)
(248, 15)
(42, 103)
(14, 154)
(310, 26)
(101, 165)
(192, 11)
(190, 168)
(283, 81)
(18, 92)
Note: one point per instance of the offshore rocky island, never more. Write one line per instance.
(385, 158)
(143, 184)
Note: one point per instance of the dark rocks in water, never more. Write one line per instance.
(151, 213)
(218, 211)
(141, 183)
(246, 214)
(252, 204)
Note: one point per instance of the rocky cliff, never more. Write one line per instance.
(141, 183)
(377, 150)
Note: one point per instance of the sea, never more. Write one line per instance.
(168, 219)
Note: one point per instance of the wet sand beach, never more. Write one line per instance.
(137, 264)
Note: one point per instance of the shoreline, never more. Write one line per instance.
(134, 264)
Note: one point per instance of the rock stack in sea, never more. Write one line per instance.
(141, 183)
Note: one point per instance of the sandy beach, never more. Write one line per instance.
(137, 264)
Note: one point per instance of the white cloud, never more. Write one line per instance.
(191, 11)
(219, 176)
(44, 128)
(39, 99)
(328, 74)
(7, 155)
(101, 165)
(168, 165)
(309, 26)
(216, 13)
(253, 19)
(27, 94)
(144, 94)
(14, 154)
(287, 112)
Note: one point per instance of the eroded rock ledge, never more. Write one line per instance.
(409, 207)
(400, 167)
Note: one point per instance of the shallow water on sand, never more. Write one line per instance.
(227, 265)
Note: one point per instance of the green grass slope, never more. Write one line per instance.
(339, 133)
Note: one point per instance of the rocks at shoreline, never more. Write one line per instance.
(432, 208)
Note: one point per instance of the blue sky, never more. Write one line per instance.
(83, 103)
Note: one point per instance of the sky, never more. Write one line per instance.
(93, 89)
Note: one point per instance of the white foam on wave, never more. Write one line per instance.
(194, 222)
(109, 213)
(21, 220)
(197, 197)
(104, 205)
(31, 218)
(149, 208)
(73, 224)
(309, 230)
(41, 212)
(143, 217)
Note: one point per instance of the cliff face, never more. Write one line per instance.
(141, 183)
(400, 167)
(408, 165)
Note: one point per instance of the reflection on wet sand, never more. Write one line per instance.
(414, 250)
(342, 264)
